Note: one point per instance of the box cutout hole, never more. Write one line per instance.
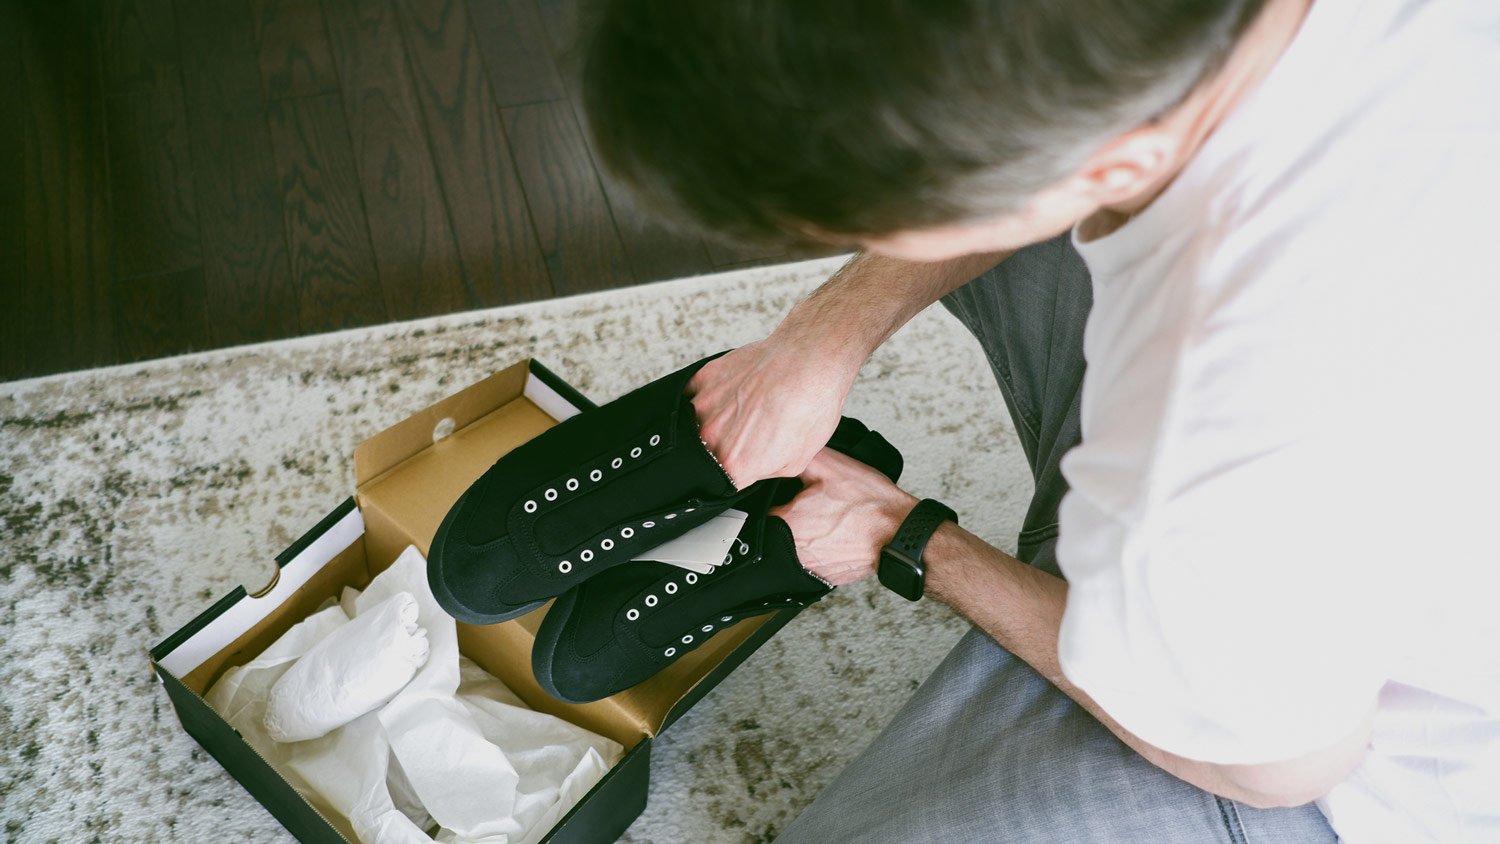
(443, 428)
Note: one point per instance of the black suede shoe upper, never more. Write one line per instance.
(626, 624)
(587, 494)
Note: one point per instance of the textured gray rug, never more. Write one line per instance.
(133, 497)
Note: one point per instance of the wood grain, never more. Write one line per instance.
(162, 315)
(220, 69)
(65, 293)
(246, 273)
(517, 52)
(153, 210)
(491, 222)
(568, 207)
(333, 263)
(292, 43)
(186, 174)
(415, 253)
(138, 44)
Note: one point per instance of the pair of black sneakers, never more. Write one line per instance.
(565, 514)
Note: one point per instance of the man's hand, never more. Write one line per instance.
(845, 513)
(766, 408)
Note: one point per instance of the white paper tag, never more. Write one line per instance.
(703, 547)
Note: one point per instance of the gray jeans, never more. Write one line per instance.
(987, 750)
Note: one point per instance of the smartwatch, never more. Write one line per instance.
(901, 567)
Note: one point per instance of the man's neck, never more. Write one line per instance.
(1251, 61)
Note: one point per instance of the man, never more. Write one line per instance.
(1255, 595)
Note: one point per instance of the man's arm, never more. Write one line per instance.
(766, 408)
(847, 512)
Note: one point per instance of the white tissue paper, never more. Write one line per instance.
(353, 670)
(453, 749)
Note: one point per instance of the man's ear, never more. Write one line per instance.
(1128, 166)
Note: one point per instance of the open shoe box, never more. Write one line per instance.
(406, 479)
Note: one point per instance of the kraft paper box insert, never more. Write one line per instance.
(407, 478)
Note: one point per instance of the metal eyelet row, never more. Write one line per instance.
(689, 638)
(608, 544)
(595, 475)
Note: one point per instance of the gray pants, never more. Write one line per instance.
(987, 750)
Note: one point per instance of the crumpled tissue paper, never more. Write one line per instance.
(354, 669)
(453, 749)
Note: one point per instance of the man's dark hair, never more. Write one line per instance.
(763, 119)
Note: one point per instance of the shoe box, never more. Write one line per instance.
(407, 477)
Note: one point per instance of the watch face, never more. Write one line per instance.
(901, 574)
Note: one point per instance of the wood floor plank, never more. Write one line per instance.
(568, 207)
(65, 294)
(246, 271)
(153, 209)
(138, 44)
(517, 53)
(292, 43)
(415, 253)
(162, 315)
(220, 69)
(13, 317)
(333, 262)
(657, 251)
(560, 20)
(491, 221)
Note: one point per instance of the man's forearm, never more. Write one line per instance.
(1021, 608)
(867, 301)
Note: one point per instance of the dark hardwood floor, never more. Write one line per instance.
(178, 175)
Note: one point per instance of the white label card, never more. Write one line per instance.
(703, 547)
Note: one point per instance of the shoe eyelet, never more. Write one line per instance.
(551, 495)
(530, 507)
(690, 509)
(616, 463)
(586, 555)
(595, 475)
(650, 600)
(725, 618)
(671, 515)
(728, 558)
(607, 544)
(565, 566)
(649, 524)
(688, 639)
(692, 578)
(744, 547)
(655, 439)
(632, 613)
(671, 588)
(572, 484)
(708, 628)
(635, 452)
(670, 652)
(626, 533)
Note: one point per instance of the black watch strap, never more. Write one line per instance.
(902, 569)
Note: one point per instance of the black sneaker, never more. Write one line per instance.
(625, 625)
(587, 494)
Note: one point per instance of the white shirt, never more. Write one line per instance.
(1286, 504)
